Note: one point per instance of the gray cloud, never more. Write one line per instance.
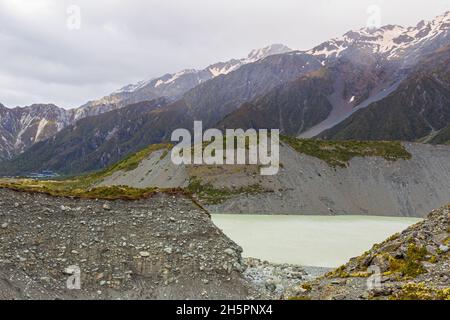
(125, 41)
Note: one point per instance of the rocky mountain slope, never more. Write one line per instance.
(419, 106)
(315, 101)
(22, 127)
(374, 178)
(184, 256)
(390, 83)
(367, 67)
(412, 265)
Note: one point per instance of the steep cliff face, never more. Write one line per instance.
(391, 185)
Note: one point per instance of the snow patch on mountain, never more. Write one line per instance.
(392, 41)
(214, 70)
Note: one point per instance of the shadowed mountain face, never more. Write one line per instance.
(214, 99)
(291, 107)
(297, 106)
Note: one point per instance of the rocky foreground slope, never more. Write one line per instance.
(163, 247)
(333, 178)
(166, 247)
(412, 265)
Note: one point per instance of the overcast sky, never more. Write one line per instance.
(46, 58)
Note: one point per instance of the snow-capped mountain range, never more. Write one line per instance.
(21, 127)
(173, 86)
(391, 42)
(214, 70)
(385, 49)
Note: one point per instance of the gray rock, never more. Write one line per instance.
(270, 286)
(229, 251)
(144, 254)
(168, 250)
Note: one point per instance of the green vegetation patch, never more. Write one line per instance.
(411, 265)
(211, 195)
(339, 153)
(72, 188)
(341, 272)
(84, 186)
(420, 291)
(132, 161)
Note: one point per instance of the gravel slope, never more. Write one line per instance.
(163, 247)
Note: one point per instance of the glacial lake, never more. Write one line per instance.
(322, 241)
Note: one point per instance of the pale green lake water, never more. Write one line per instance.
(325, 241)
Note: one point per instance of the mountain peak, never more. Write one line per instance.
(272, 49)
(390, 41)
(443, 17)
(214, 70)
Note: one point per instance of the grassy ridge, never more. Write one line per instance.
(132, 161)
(71, 188)
(339, 153)
(211, 195)
(84, 186)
